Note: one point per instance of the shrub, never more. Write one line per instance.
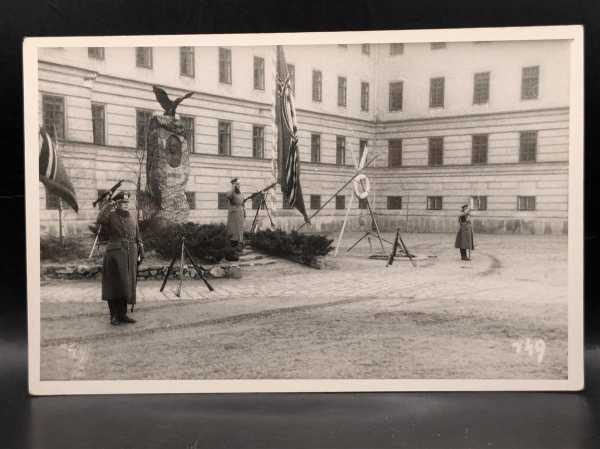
(303, 248)
(207, 242)
(73, 247)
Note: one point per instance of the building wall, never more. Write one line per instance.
(123, 88)
(458, 63)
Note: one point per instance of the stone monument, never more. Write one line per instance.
(167, 162)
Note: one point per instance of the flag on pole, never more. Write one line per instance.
(53, 173)
(287, 139)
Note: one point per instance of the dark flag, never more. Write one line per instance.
(287, 139)
(53, 173)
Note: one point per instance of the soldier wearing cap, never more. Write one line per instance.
(124, 253)
(464, 236)
(236, 215)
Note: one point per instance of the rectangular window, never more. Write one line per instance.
(340, 150)
(222, 201)
(143, 57)
(364, 96)
(259, 73)
(53, 112)
(436, 151)
(438, 45)
(188, 124)
(527, 146)
(258, 142)
(142, 120)
(434, 203)
(395, 153)
(479, 202)
(481, 88)
(394, 202)
(526, 203)
(186, 61)
(342, 83)
(363, 203)
(530, 81)
(362, 144)
(340, 202)
(315, 148)
(366, 49)
(225, 65)
(225, 138)
(396, 49)
(96, 52)
(98, 124)
(317, 88)
(191, 199)
(291, 68)
(396, 96)
(479, 144)
(436, 92)
(315, 201)
(52, 201)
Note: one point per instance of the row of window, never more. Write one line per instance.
(481, 81)
(53, 117)
(524, 203)
(144, 58)
(528, 143)
(530, 77)
(186, 57)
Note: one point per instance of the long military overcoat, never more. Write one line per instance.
(464, 236)
(119, 273)
(235, 216)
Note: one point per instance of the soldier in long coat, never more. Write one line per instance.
(123, 254)
(464, 236)
(236, 214)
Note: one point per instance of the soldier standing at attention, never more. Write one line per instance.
(236, 215)
(464, 236)
(123, 254)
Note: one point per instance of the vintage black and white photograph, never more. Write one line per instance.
(341, 211)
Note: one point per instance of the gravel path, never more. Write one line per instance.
(355, 319)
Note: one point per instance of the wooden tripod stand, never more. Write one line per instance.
(361, 181)
(368, 233)
(262, 204)
(183, 251)
(399, 243)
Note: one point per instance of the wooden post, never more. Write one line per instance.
(337, 247)
(407, 205)
(60, 223)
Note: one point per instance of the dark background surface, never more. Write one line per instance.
(413, 420)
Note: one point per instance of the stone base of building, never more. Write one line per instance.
(386, 224)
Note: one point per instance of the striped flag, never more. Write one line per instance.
(287, 139)
(52, 172)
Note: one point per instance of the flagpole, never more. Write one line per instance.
(60, 224)
(335, 194)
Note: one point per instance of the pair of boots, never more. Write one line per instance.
(118, 312)
(463, 254)
(116, 320)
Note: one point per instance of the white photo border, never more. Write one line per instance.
(575, 378)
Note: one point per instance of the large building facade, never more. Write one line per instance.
(447, 123)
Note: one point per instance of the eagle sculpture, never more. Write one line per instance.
(167, 104)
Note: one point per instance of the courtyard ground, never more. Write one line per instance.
(355, 318)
